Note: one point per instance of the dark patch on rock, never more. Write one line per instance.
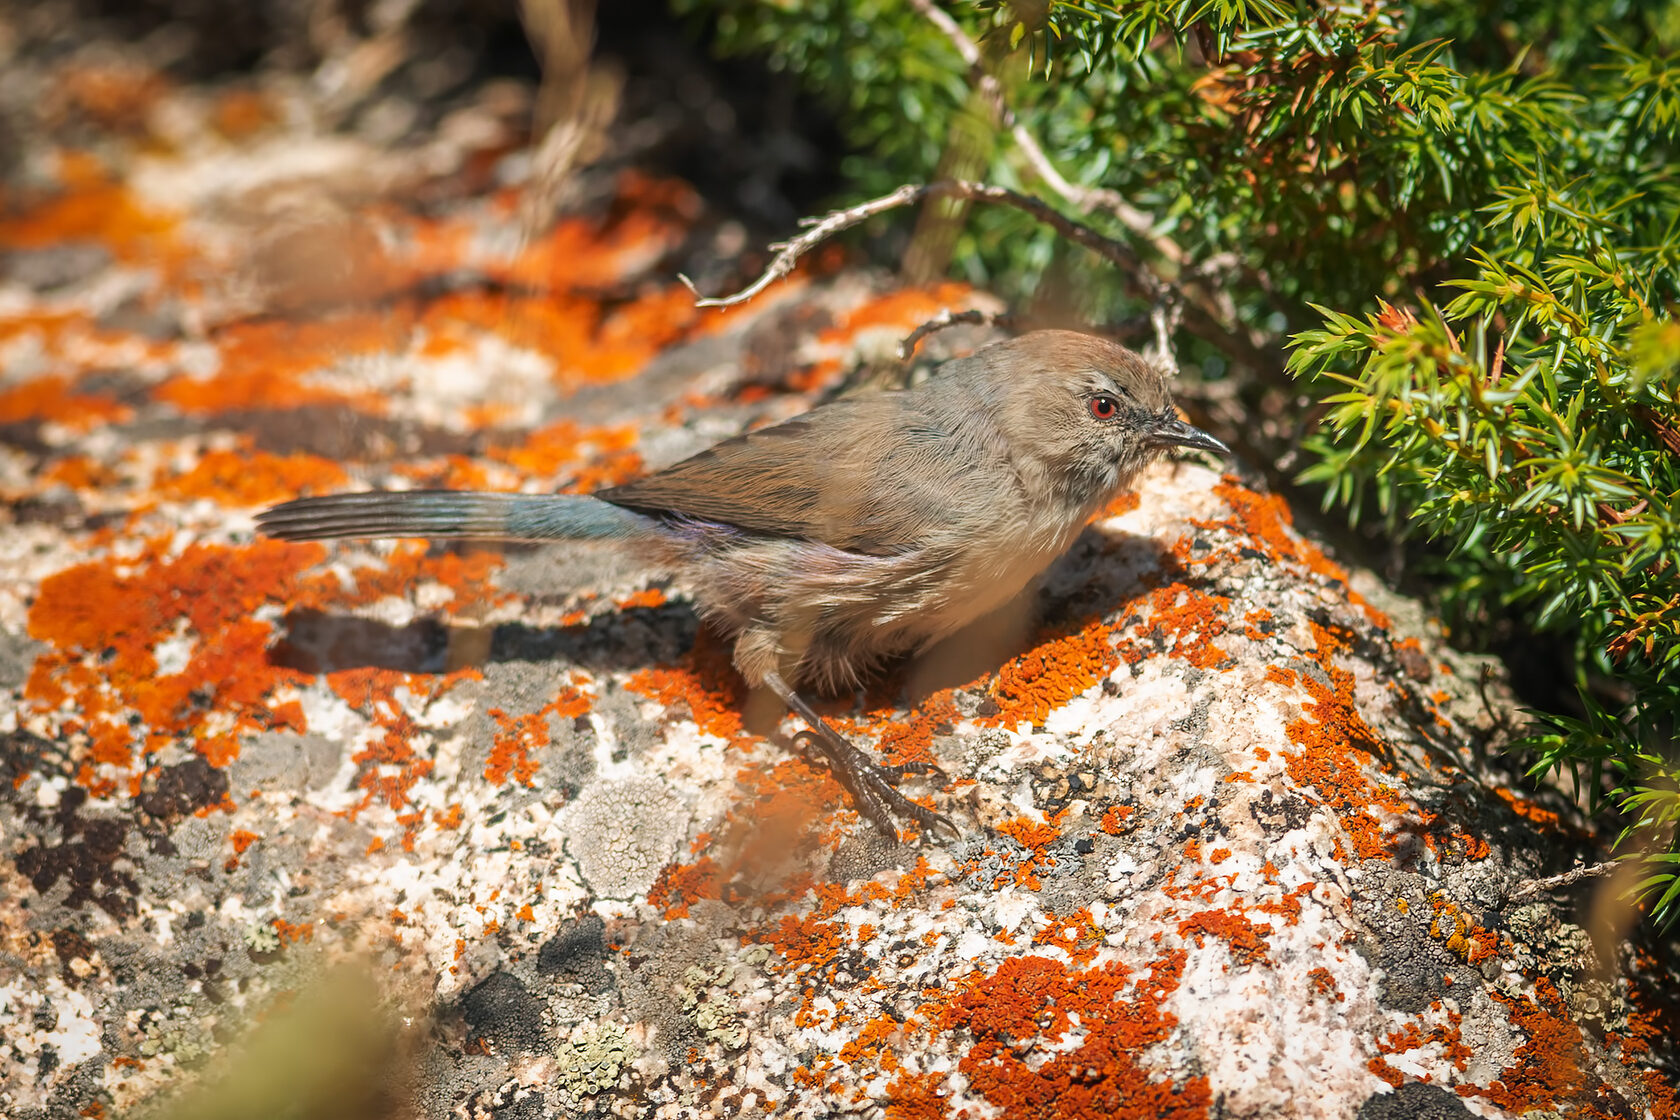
(1413, 965)
(85, 858)
(500, 1008)
(54, 266)
(82, 1083)
(70, 945)
(530, 1106)
(335, 433)
(578, 955)
(183, 789)
(316, 642)
(629, 639)
(1414, 662)
(1279, 814)
(20, 751)
(1055, 784)
(864, 855)
(26, 437)
(1414, 1101)
(58, 506)
(770, 348)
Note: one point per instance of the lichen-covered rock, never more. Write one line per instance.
(1230, 845)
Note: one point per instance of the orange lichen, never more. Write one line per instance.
(806, 943)
(1447, 1036)
(1029, 687)
(104, 622)
(1114, 819)
(1462, 937)
(53, 399)
(1120, 505)
(903, 309)
(1337, 745)
(293, 932)
(1324, 984)
(239, 113)
(909, 740)
(389, 766)
(1077, 935)
(1379, 1067)
(241, 840)
(1245, 938)
(408, 567)
(704, 680)
(254, 478)
(116, 94)
(1193, 619)
(682, 884)
(1267, 521)
(1526, 809)
(1032, 998)
(518, 738)
(648, 220)
(1547, 1070)
(1036, 837)
(92, 208)
(607, 453)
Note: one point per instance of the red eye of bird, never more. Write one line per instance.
(1104, 407)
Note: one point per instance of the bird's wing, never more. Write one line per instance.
(869, 474)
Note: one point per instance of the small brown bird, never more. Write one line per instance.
(866, 528)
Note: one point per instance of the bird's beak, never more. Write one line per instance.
(1176, 431)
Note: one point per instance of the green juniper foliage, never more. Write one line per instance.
(1459, 222)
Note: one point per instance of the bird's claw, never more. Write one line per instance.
(871, 784)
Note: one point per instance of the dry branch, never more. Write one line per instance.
(818, 230)
(1535, 887)
(949, 318)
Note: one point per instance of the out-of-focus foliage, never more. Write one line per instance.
(1461, 220)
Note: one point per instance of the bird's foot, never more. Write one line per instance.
(871, 784)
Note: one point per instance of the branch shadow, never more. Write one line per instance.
(317, 642)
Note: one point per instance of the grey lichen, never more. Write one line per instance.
(622, 833)
(592, 1059)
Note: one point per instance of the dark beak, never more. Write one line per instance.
(1176, 431)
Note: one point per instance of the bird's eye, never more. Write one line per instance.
(1104, 407)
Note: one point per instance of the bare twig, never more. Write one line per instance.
(821, 229)
(948, 318)
(1165, 316)
(1535, 887)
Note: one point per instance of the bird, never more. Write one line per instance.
(867, 528)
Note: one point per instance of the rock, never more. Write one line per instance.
(1232, 844)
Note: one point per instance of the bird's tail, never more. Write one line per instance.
(458, 514)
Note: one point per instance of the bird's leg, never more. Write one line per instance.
(869, 783)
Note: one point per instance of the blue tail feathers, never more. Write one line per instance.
(455, 514)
